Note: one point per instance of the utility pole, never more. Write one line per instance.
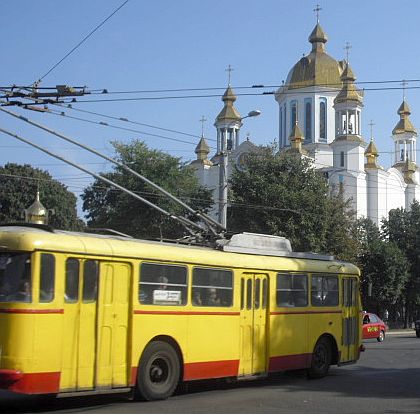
(223, 172)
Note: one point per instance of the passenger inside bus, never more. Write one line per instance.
(197, 300)
(212, 297)
(15, 278)
(163, 280)
(24, 293)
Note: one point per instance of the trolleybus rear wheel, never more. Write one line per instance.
(158, 374)
(321, 359)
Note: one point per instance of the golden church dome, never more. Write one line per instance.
(36, 212)
(404, 125)
(229, 112)
(317, 68)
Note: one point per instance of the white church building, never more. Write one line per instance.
(320, 112)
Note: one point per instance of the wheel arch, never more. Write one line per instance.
(170, 341)
(335, 356)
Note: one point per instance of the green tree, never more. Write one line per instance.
(18, 187)
(112, 208)
(341, 229)
(385, 271)
(282, 194)
(403, 228)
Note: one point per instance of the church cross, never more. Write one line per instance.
(347, 47)
(229, 70)
(317, 9)
(202, 120)
(371, 124)
(404, 83)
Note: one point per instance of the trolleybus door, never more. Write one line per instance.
(79, 325)
(351, 329)
(253, 345)
(112, 356)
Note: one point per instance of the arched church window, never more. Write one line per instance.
(281, 127)
(229, 140)
(323, 120)
(308, 120)
(342, 159)
(284, 124)
(293, 113)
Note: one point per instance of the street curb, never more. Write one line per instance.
(409, 332)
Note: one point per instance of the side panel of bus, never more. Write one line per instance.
(289, 348)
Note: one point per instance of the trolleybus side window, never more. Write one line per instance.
(264, 293)
(249, 294)
(324, 290)
(257, 294)
(90, 281)
(47, 278)
(15, 277)
(292, 290)
(71, 292)
(214, 287)
(162, 284)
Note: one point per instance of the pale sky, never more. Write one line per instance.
(187, 44)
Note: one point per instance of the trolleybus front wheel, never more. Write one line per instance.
(321, 359)
(158, 373)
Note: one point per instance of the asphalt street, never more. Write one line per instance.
(385, 380)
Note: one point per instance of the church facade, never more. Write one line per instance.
(320, 100)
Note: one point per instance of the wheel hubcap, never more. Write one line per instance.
(159, 370)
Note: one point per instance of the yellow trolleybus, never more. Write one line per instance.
(86, 313)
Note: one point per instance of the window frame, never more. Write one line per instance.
(323, 125)
(292, 301)
(308, 119)
(67, 298)
(84, 297)
(50, 293)
(293, 113)
(184, 292)
(322, 301)
(214, 286)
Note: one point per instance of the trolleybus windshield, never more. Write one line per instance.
(15, 277)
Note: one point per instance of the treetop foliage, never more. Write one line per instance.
(108, 207)
(18, 187)
(283, 194)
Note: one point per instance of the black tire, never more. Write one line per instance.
(381, 336)
(158, 373)
(321, 359)
(418, 334)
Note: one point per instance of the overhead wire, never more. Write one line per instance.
(210, 224)
(104, 124)
(125, 119)
(185, 222)
(249, 205)
(257, 86)
(157, 98)
(81, 42)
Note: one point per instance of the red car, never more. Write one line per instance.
(373, 327)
